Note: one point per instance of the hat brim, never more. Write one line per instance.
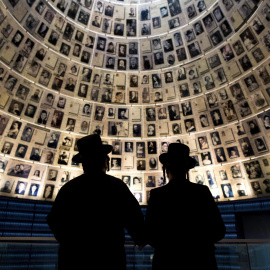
(106, 149)
(189, 162)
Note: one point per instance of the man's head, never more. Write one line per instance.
(93, 154)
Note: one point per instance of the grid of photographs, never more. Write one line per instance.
(105, 42)
(79, 68)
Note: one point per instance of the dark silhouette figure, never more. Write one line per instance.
(90, 213)
(183, 221)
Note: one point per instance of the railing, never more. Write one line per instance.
(40, 253)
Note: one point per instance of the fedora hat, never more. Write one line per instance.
(91, 147)
(178, 155)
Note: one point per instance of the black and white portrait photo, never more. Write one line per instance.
(209, 23)
(218, 13)
(216, 38)
(118, 29)
(145, 13)
(253, 169)
(6, 30)
(206, 158)
(83, 17)
(16, 107)
(17, 38)
(198, 28)
(73, 9)
(233, 152)
(164, 12)
(21, 150)
(146, 29)
(258, 55)
(19, 169)
(168, 45)
(129, 147)
(257, 25)
(7, 147)
(6, 186)
(227, 52)
(156, 44)
(156, 80)
(43, 30)
(133, 63)
(174, 112)
(227, 4)
(227, 190)
(260, 144)
(79, 36)
(216, 117)
(194, 49)
(244, 10)
(245, 62)
(248, 38)
(116, 163)
(174, 23)
(150, 114)
(156, 21)
(225, 28)
(30, 110)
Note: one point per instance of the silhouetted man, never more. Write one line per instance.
(92, 210)
(178, 213)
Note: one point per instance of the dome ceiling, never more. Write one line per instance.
(142, 75)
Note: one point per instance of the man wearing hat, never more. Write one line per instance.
(90, 213)
(182, 219)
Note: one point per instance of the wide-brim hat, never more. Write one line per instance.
(91, 148)
(178, 156)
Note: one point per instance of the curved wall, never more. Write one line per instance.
(142, 75)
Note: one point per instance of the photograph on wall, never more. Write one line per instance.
(38, 172)
(48, 191)
(209, 23)
(116, 163)
(227, 190)
(253, 169)
(261, 144)
(206, 158)
(211, 179)
(6, 185)
(236, 171)
(220, 155)
(233, 152)
(20, 188)
(259, 100)
(18, 169)
(140, 149)
(118, 128)
(21, 150)
(136, 183)
(126, 180)
(246, 147)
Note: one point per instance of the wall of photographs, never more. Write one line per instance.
(142, 75)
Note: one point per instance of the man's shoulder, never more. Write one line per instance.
(159, 190)
(166, 188)
(200, 189)
(93, 179)
(115, 180)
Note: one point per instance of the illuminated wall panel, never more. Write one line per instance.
(142, 75)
